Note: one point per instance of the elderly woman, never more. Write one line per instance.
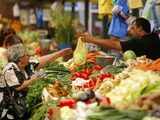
(19, 73)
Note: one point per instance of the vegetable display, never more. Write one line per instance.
(119, 90)
(54, 71)
(109, 113)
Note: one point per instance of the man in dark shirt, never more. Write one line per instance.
(142, 41)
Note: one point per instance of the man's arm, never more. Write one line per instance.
(107, 43)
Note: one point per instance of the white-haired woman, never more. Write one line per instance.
(19, 72)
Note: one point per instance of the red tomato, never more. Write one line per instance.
(88, 71)
(86, 85)
(67, 102)
(91, 83)
(97, 67)
(77, 74)
(108, 75)
(84, 75)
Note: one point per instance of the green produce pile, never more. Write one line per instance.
(109, 113)
(54, 71)
(129, 54)
(114, 69)
(40, 111)
(29, 36)
(137, 83)
(59, 72)
(84, 66)
(35, 92)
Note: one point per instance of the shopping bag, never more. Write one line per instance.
(80, 53)
(133, 4)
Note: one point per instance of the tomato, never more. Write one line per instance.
(86, 85)
(77, 74)
(84, 76)
(88, 71)
(91, 84)
(108, 75)
(97, 67)
(67, 102)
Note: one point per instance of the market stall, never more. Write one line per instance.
(97, 86)
(89, 85)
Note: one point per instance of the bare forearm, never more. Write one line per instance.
(124, 15)
(48, 58)
(25, 84)
(108, 43)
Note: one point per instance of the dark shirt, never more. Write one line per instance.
(148, 45)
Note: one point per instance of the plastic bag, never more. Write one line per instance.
(80, 53)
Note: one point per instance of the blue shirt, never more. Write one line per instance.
(118, 26)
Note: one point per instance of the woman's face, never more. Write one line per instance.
(23, 62)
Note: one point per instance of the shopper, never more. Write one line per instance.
(120, 14)
(142, 40)
(19, 74)
(149, 12)
(6, 31)
(10, 40)
(3, 51)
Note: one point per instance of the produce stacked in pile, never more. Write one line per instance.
(120, 90)
(54, 72)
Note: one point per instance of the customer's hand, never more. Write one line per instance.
(65, 52)
(116, 9)
(34, 77)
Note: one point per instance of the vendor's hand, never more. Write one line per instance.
(86, 37)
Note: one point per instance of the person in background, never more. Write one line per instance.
(11, 40)
(149, 12)
(3, 58)
(120, 14)
(3, 51)
(20, 75)
(142, 41)
(6, 31)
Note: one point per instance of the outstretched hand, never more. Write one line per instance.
(66, 51)
(86, 37)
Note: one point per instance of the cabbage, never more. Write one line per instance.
(132, 88)
(129, 54)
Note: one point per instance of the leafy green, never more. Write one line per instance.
(114, 69)
(84, 66)
(34, 93)
(63, 23)
(54, 71)
(151, 88)
(40, 111)
(108, 113)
